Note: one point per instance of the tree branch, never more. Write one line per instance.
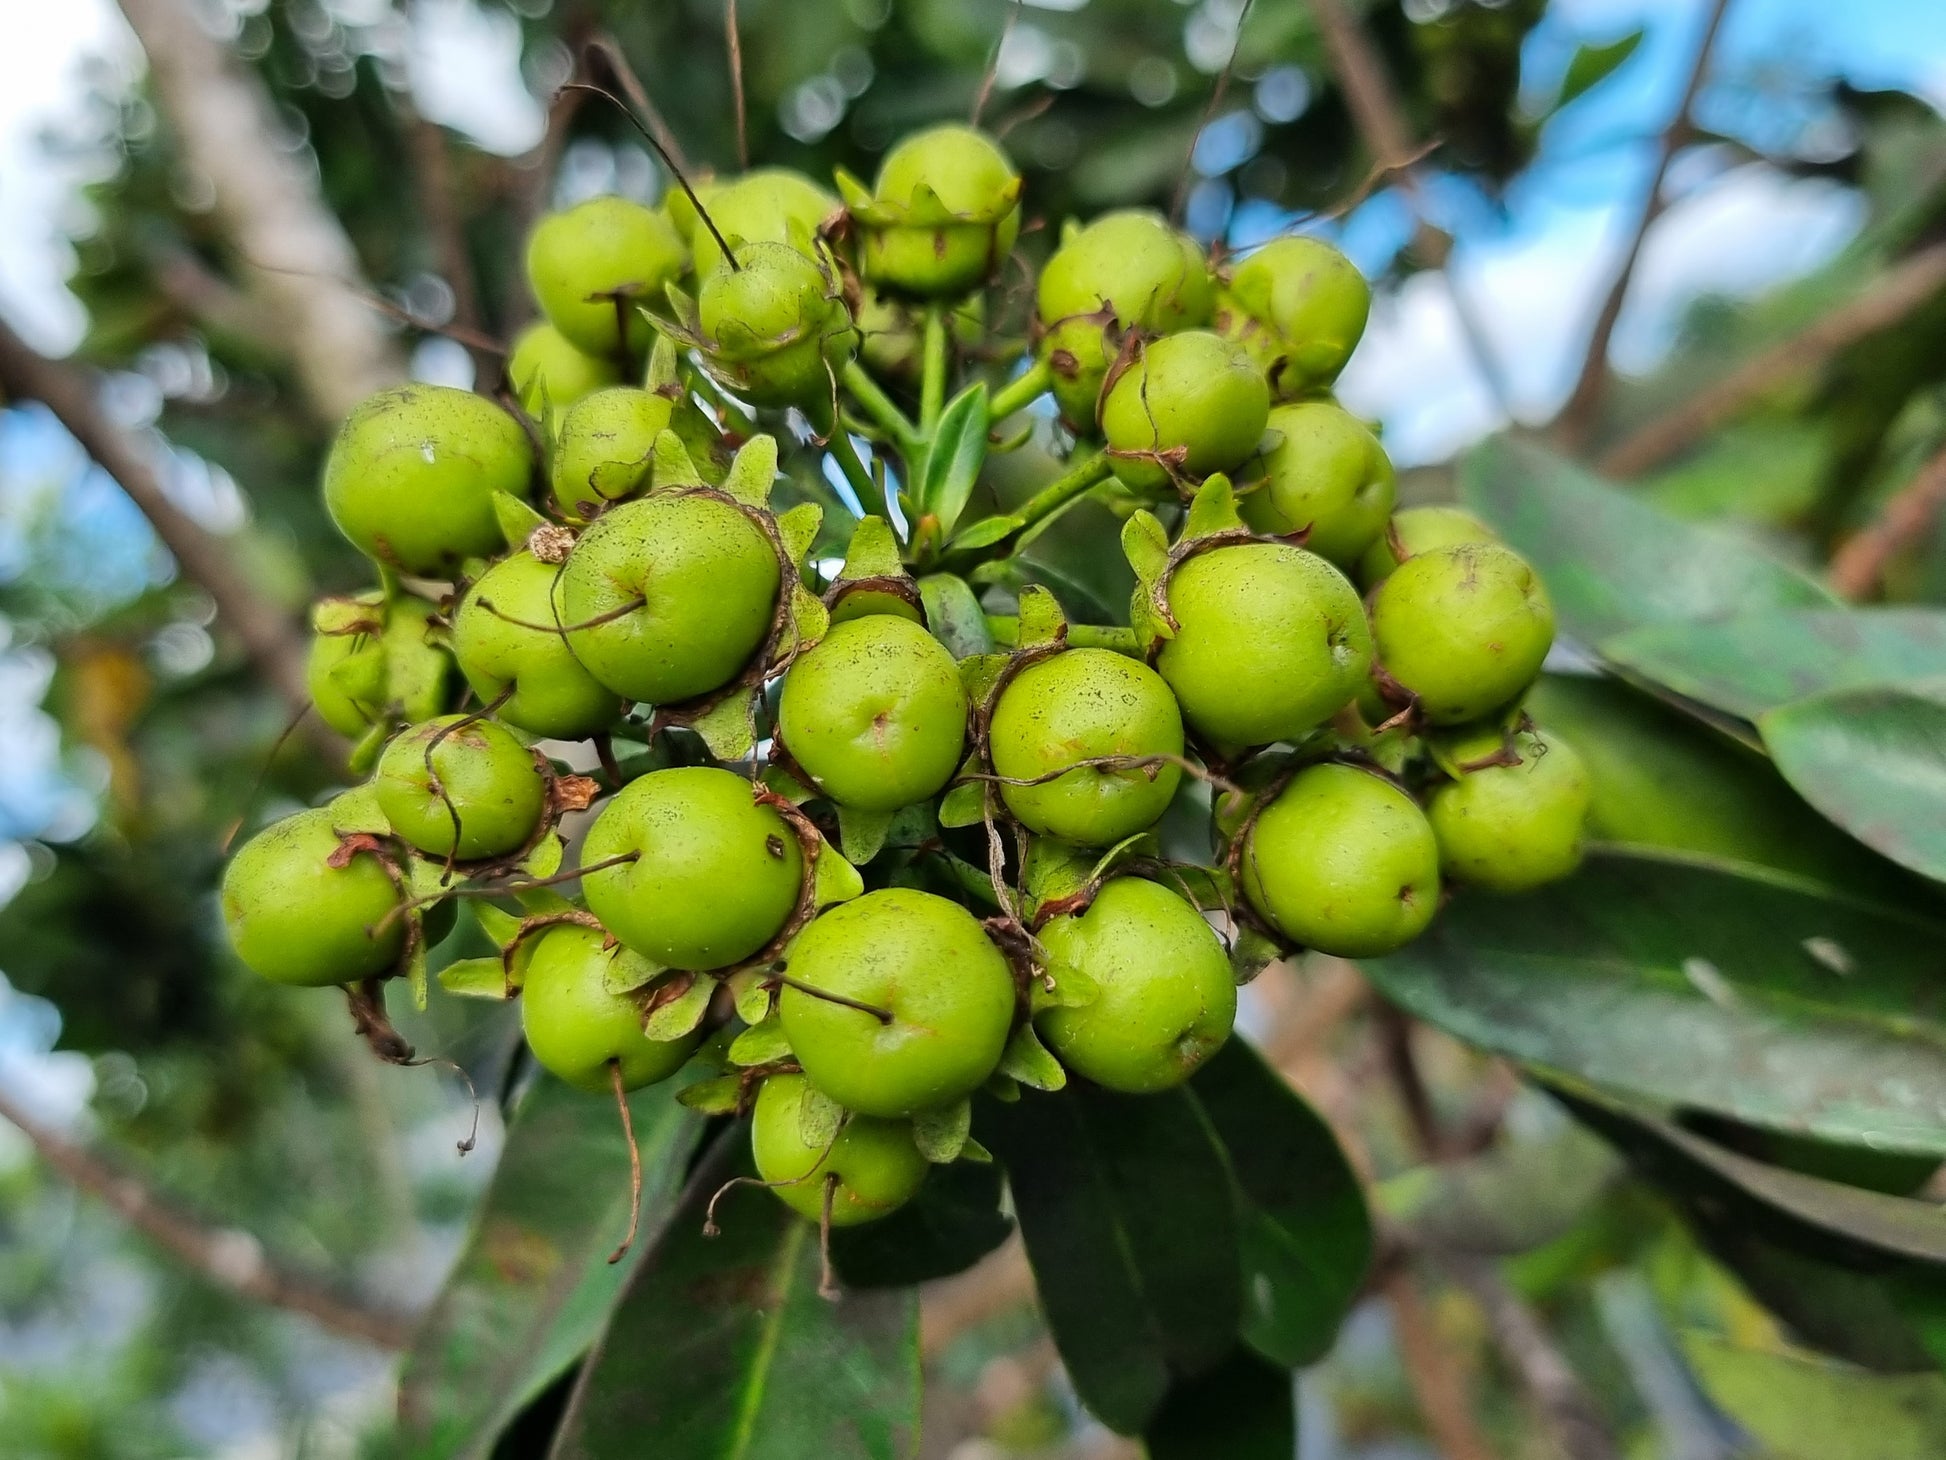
(1438, 1385)
(1577, 417)
(296, 255)
(1911, 514)
(267, 634)
(1899, 291)
(1565, 1407)
(433, 180)
(227, 1257)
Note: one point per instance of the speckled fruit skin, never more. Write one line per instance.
(412, 473)
(875, 713)
(1509, 828)
(295, 920)
(1076, 705)
(1298, 306)
(877, 1164)
(603, 247)
(717, 875)
(1273, 642)
(553, 695)
(1328, 478)
(932, 258)
(707, 580)
(1194, 398)
(549, 374)
(1343, 861)
(776, 329)
(1419, 530)
(1464, 628)
(603, 450)
(575, 1026)
(491, 789)
(1167, 1000)
(767, 205)
(928, 963)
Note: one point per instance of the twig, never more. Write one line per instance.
(1891, 298)
(1565, 1406)
(1908, 518)
(606, 52)
(434, 184)
(634, 1163)
(992, 72)
(1577, 417)
(1181, 199)
(1395, 1035)
(225, 1256)
(1437, 1382)
(267, 634)
(734, 38)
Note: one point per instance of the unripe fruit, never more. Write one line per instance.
(1343, 861)
(549, 374)
(1298, 306)
(603, 451)
(1077, 705)
(1419, 530)
(875, 713)
(592, 266)
(1328, 478)
(295, 919)
(877, 1163)
(1167, 997)
(483, 796)
(1464, 628)
(412, 473)
(925, 961)
(944, 213)
(769, 205)
(372, 661)
(776, 330)
(704, 582)
(575, 1026)
(1273, 642)
(1190, 404)
(553, 695)
(1511, 827)
(716, 875)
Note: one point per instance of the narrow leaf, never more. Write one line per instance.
(953, 460)
(954, 615)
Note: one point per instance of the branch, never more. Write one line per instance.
(1565, 1407)
(1911, 514)
(1577, 417)
(296, 254)
(1438, 1384)
(433, 181)
(1889, 300)
(227, 1257)
(267, 634)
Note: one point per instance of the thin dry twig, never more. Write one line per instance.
(1907, 519)
(992, 72)
(734, 37)
(1181, 199)
(432, 165)
(1564, 1405)
(603, 51)
(1438, 1383)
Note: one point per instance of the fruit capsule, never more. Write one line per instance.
(576, 1027)
(295, 919)
(944, 213)
(768, 205)
(877, 1165)
(776, 329)
(461, 787)
(1465, 629)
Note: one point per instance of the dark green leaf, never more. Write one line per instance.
(1592, 65)
(953, 460)
(1126, 1206)
(722, 1348)
(1686, 982)
(1305, 1237)
(952, 1223)
(534, 1284)
(954, 615)
(1245, 1409)
(1515, 1196)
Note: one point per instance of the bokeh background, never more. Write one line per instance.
(1698, 244)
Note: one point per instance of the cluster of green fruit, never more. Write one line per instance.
(598, 561)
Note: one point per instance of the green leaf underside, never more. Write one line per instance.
(1593, 64)
(1802, 1408)
(1511, 1198)
(1244, 1409)
(1130, 1223)
(954, 615)
(722, 1348)
(1684, 982)
(534, 1284)
(952, 1223)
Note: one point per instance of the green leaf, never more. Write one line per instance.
(1130, 1222)
(818, 1118)
(722, 1348)
(872, 553)
(954, 615)
(834, 878)
(681, 1015)
(1800, 1408)
(1514, 1197)
(942, 1134)
(1874, 762)
(861, 833)
(517, 519)
(1592, 65)
(1244, 1409)
(1304, 1236)
(729, 727)
(719, 1096)
(952, 1223)
(1041, 620)
(963, 805)
(1687, 982)
(546, 858)
(673, 468)
(985, 533)
(1027, 1060)
(951, 469)
(761, 1043)
(1212, 510)
(1611, 561)
(534, 1285)
(628, 971)
(476, 978)
(798, 528)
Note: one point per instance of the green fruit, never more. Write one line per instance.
(295, 919)
(412, 473)
(593, 266)
(1343, 861)
(476, 794)
(1511, 827)
(1273, 642)
(344, 673)
(769, 205)
(1077, 705)
(1464, 629)
(576, 1027)
(1327, 478)
(703, 580)
(775, 330)
(875, 713)
(716, 875)
(944, 214)
(1298, 306)
(1167, 997)
(604, 449)
(1190, 404)
(891, 332)
(549, 374)
(876, 1162)
(499, 642)
(925, 961)
(1419, 530)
